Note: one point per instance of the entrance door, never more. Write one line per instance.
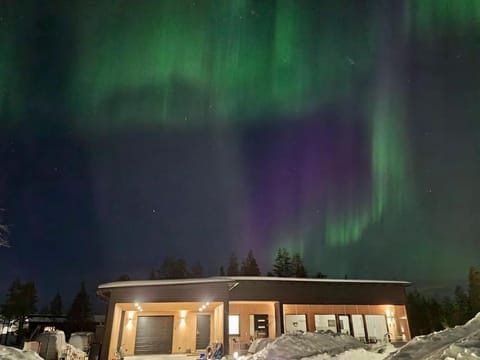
(203, 331)
(344, 324)
(260, 326)
(154, 335)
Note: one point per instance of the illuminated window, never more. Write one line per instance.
(234, 324)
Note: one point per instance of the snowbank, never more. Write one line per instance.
(312, 346)
(460, 342)
(10, 353)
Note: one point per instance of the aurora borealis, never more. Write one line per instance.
(346, 130)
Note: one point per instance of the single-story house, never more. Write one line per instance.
(187, 315)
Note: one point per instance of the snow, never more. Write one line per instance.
(10, 353)
(312, 346)
(227, 279)
(461, 342)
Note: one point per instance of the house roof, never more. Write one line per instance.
(229, 279)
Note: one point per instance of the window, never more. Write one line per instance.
(233, 324)
(325, 322)
(296, 324)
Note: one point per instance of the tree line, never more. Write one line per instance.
(285, 265)
(21, 302)
(428, 314)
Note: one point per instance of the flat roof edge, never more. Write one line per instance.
(225, 279)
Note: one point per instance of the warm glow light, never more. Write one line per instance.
(235, 355)
(136, 304)
(183, 314)
(182, 322)
(129, 324)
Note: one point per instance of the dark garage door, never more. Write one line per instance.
(154, 335)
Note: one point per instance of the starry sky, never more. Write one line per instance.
(345, 130)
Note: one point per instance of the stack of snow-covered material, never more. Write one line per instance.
(51, 344)
(306, 346)
(10, 353)
(460, 342)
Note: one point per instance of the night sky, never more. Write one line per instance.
(345, 130)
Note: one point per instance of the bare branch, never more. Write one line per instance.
(4, 236)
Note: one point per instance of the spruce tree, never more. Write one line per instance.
(172, 268)
(283, 264)
(474, 290)
(232, 269)
(20, 302)
(462, 306)
(249, 265)
(298, 268)
(197, 270)
(56, 305)
(80, 314)
(221, 271)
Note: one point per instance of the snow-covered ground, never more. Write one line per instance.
(317, 346)
(459, 343)
(10, 353)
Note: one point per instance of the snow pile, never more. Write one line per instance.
(70, 352)
(460, 342)
(10, 353)
(259, 344)
(326, 344)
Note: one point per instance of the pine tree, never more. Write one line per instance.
(474, 290)
(283, 264)
(249, 265)
(298, 268)
(56, 305)
(232, 269)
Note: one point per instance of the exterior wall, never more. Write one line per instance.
(395, 315)
(183, 331)
(217, 323)
(117, 314)
(304, 292)
(245, 309)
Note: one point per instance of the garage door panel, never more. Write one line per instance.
(154, 335)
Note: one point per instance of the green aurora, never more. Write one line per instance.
(189, 64)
